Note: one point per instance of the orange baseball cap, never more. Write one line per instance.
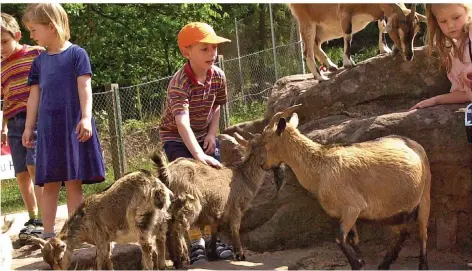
(198, 32)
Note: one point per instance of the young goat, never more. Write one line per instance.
(6, 248)
(322, 22)
(133, 209)
(387, 180)
(214, 197)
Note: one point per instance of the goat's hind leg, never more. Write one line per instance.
(423, 217)
(211, 251)
(353, 238)
(383, 47)
(103, 257)
(348, 221)
(346, 24)
(392, 254)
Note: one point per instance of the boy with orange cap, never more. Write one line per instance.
(192, 112)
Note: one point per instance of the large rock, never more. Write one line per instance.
(363, 103)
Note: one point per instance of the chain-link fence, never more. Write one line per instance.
(128, 117)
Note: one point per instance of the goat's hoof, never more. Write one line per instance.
(357, 264)
(333, 69)
(383, 267)
(321, 78)
(423, 267)
(178, 264)
(212, 255)
(240, 257)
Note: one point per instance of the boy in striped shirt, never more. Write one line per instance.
(16, 64)
(192, 112)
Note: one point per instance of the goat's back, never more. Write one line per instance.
(391, 172)
(117, 210)
(327, 17)
(210, 186)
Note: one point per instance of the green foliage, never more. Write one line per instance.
(248, 111)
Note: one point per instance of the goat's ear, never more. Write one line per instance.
(294, 120)
(243, 142)
(281, 126)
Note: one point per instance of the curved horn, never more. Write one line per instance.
(411, 16)
(39, 241)
(413, 8)
(283, 114)
(398, 10)
(288, 112)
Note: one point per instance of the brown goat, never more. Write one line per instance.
(215, 197)
(133, 209)
(322, 22)
(387, 180)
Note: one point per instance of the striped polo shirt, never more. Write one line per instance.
(185, 95)
(15, 70)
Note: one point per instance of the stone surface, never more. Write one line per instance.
(359, 104)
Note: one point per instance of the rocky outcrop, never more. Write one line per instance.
(363, 103)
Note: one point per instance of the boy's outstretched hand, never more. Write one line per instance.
(208, 160)
(425, 103)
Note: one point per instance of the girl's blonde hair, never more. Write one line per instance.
(443, 44)
(46, 13)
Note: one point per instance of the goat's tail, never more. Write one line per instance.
(161, 166)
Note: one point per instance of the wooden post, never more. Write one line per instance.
(114, 124)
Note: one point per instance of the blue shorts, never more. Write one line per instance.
(174, 150)
(20, 155)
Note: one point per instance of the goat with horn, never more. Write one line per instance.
(386, 180)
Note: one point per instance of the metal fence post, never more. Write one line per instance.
(241, 79)
(273, 42)
(299, 38)
(224, 111)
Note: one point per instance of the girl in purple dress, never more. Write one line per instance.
(68, 149)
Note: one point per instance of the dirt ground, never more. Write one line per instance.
(321, 256)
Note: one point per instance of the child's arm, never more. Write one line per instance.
(84, 127)
(31, 116)
(454, 97)
(190, 141)
(209, 143)
(4, 132)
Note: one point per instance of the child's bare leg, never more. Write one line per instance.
(49, 204)
(74, 195)
(38, 190)
(27, 192)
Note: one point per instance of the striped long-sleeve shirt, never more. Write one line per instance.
(185, 95)
(15, 70)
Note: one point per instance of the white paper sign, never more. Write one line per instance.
(6, 163)
(6, 167)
